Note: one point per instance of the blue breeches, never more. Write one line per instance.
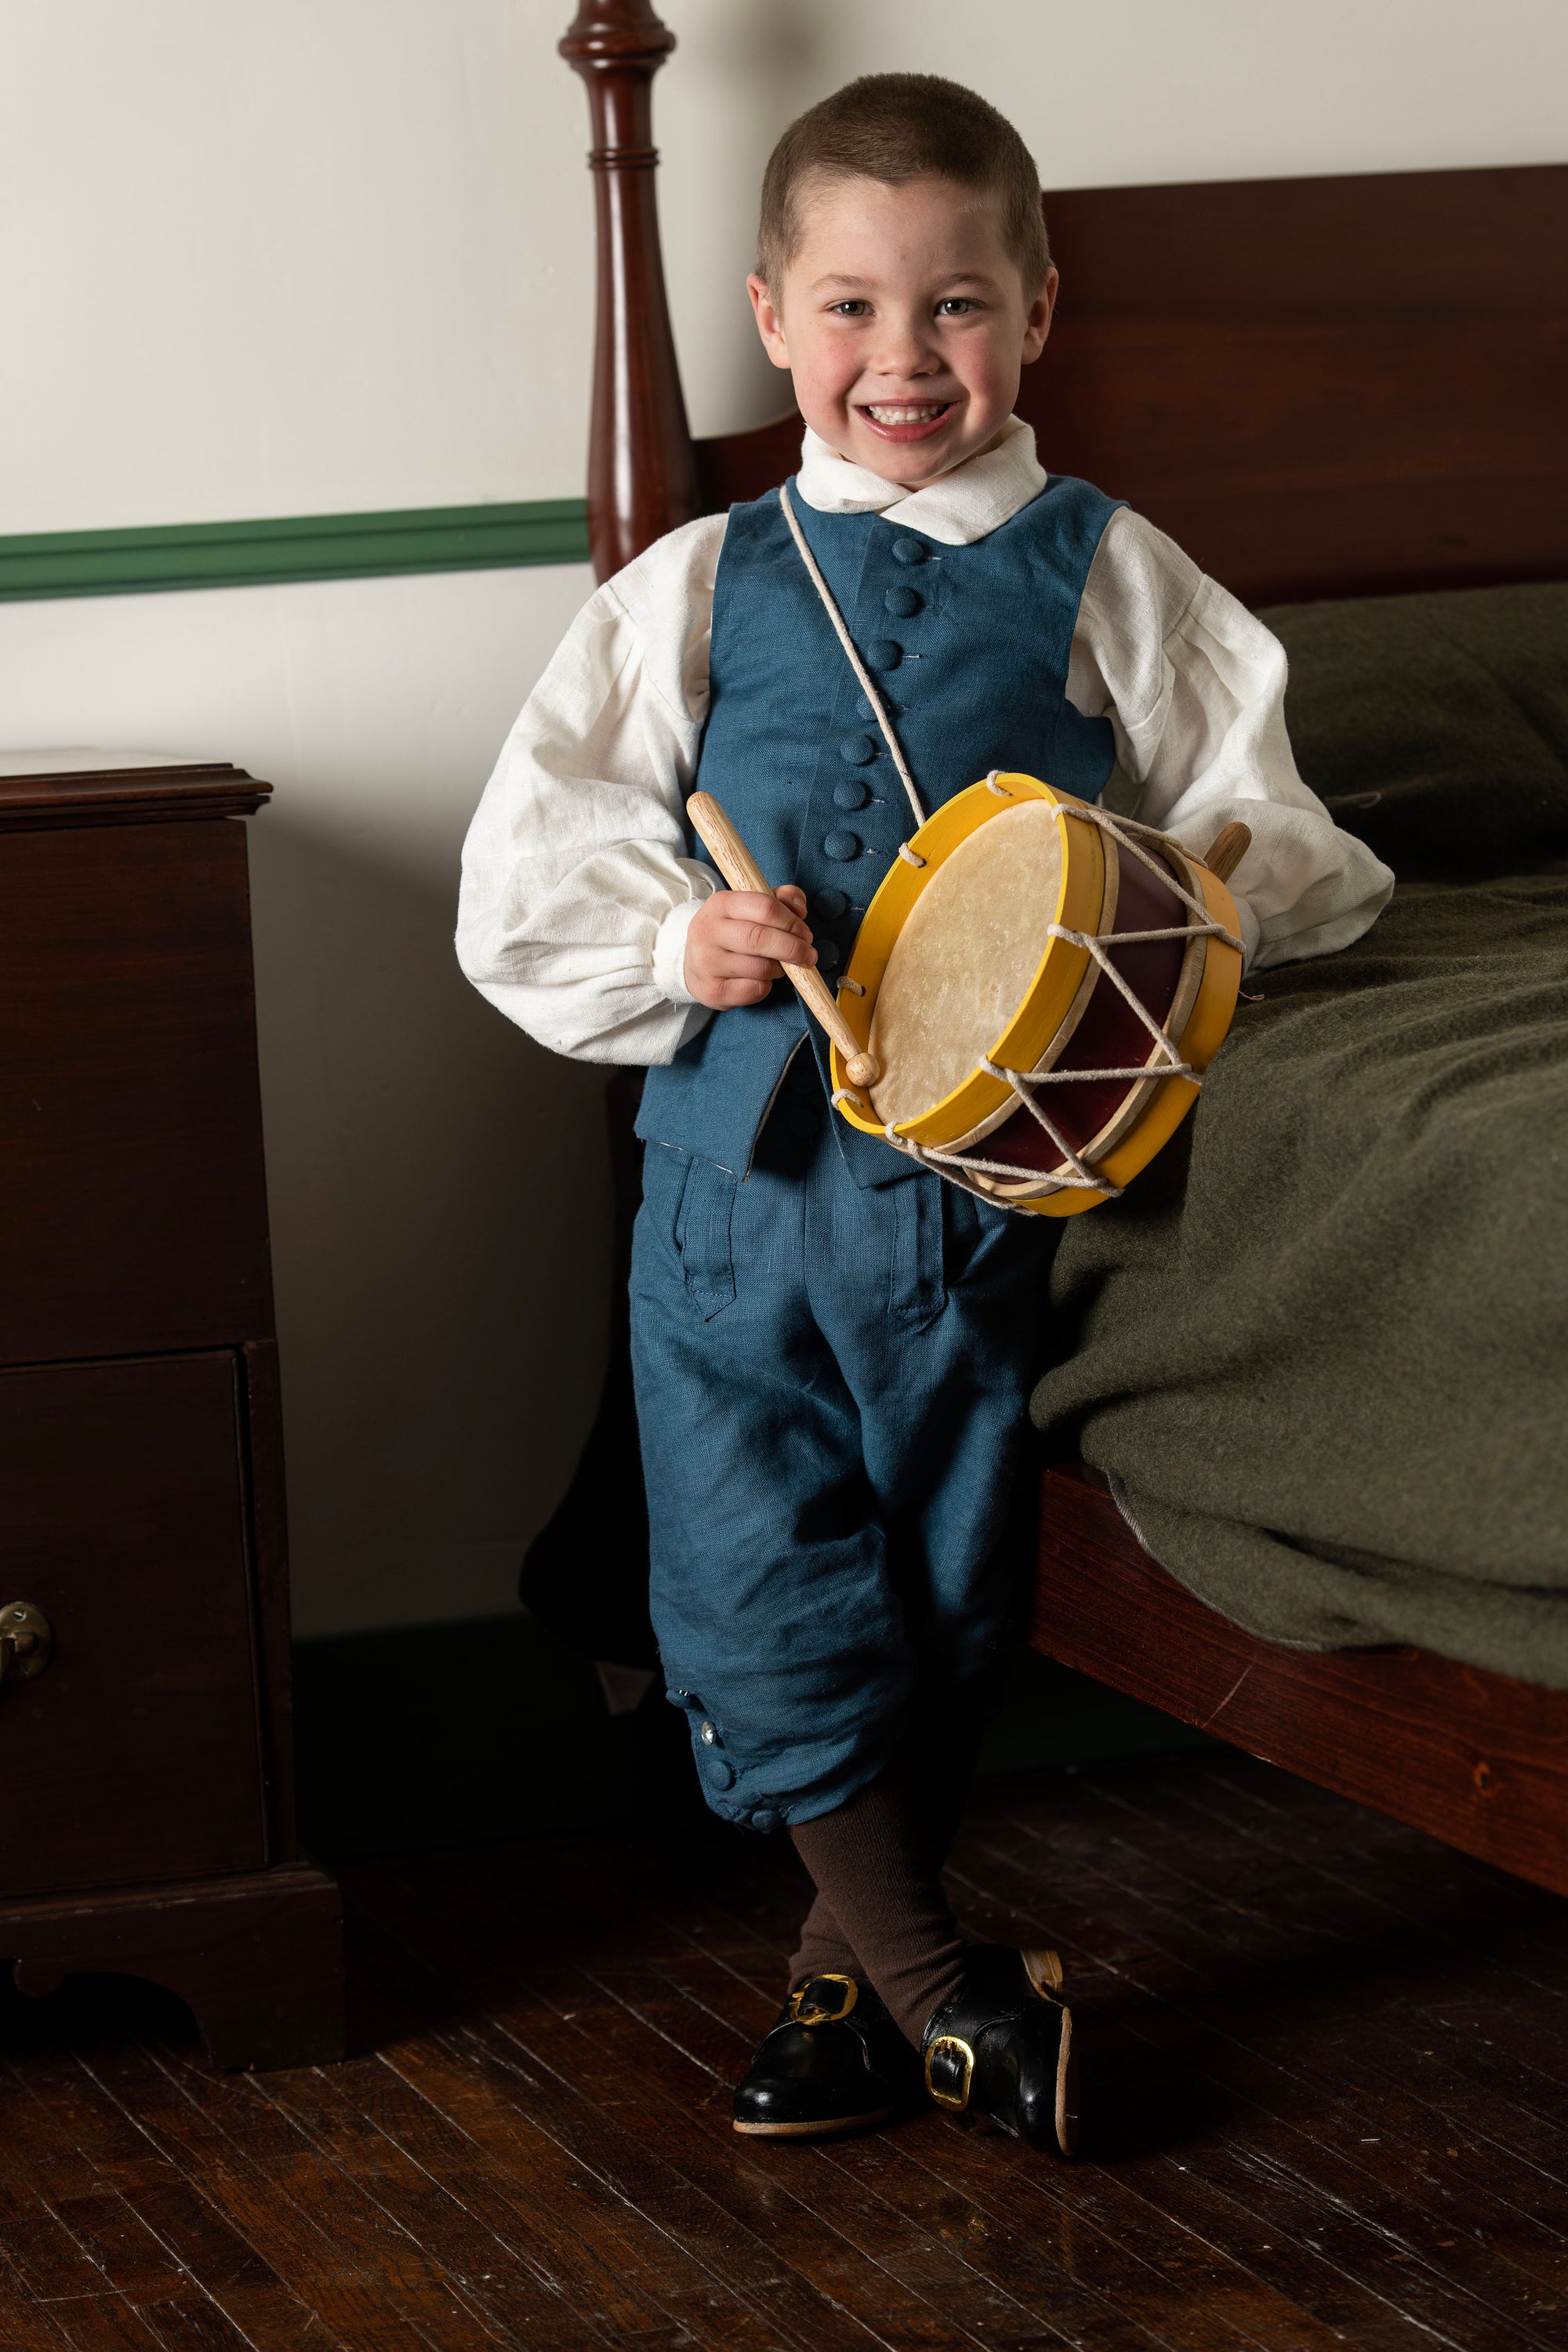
(831, 1384)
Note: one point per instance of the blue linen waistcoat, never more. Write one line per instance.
(969, 647)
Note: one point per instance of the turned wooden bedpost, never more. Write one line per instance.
(642, 469)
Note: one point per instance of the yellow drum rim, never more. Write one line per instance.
(1057, 976)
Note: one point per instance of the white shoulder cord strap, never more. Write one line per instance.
(856, 665)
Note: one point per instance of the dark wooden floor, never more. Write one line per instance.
(1328, 2105)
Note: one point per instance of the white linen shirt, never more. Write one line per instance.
(577, 891)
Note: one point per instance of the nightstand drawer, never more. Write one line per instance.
(136, 1212)
(134, 1754)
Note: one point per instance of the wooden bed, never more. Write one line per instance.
(1362, 389)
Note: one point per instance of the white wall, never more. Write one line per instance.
(289, 259)
(334, 255)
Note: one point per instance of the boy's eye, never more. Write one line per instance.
(954, 306)
(853, 306)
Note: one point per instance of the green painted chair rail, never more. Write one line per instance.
(292, 547)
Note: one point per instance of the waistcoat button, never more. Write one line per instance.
(884, 653)
(721, 1774)
(829, 905)
(842, 846)
(853, 792)
(765, 1819)
(910, 551)
(857, 749)
(828, 956)
(902, 602)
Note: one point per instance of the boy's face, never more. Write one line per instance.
(904, 321)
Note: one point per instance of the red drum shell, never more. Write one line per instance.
(1109, 1035)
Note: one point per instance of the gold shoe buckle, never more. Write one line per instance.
(814, 2014)
(960, 2099)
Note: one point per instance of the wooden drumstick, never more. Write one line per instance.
(1227, 851)
(741, 872)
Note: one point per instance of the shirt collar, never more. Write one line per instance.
(976, 498)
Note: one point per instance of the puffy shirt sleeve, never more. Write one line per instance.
(576, 888)
(1194, 686)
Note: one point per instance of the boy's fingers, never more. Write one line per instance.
(758, 940)
(750, 907)
(773, 923)
(801, 949)
(745, 967)
(766, 912)
(725, 992)
(780, 946)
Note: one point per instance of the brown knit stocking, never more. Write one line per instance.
(824, 1946)
(871, 1859)
(935, 1765)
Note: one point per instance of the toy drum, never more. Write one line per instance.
(1043, 986)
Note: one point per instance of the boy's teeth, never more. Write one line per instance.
(905, 413)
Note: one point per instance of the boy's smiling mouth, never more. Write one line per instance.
(906, 420)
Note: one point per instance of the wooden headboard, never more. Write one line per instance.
(1320, 387)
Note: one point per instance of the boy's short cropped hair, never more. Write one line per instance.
(897, 126)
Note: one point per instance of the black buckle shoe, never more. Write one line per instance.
(1001, 2048)
(834, 2062)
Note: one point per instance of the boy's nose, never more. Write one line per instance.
(903, 351)
(905, 359)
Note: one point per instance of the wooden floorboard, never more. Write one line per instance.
(1294, 2152)
(1326, 2104)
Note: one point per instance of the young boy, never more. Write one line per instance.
(833, 1347)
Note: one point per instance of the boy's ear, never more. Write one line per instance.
(769, 324)
(1038, 320)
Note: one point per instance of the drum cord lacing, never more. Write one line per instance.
(1167, 1063)
(952, 1164)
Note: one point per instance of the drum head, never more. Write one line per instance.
(966, 959)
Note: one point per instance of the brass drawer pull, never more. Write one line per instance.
(27, 1641)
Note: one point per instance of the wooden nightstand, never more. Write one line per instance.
(147, 1824)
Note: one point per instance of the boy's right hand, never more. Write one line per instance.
(739, 942)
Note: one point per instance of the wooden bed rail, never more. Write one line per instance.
(1470, 1757)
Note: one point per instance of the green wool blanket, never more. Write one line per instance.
(1320, 1347)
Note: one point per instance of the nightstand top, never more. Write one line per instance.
(79, 786)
